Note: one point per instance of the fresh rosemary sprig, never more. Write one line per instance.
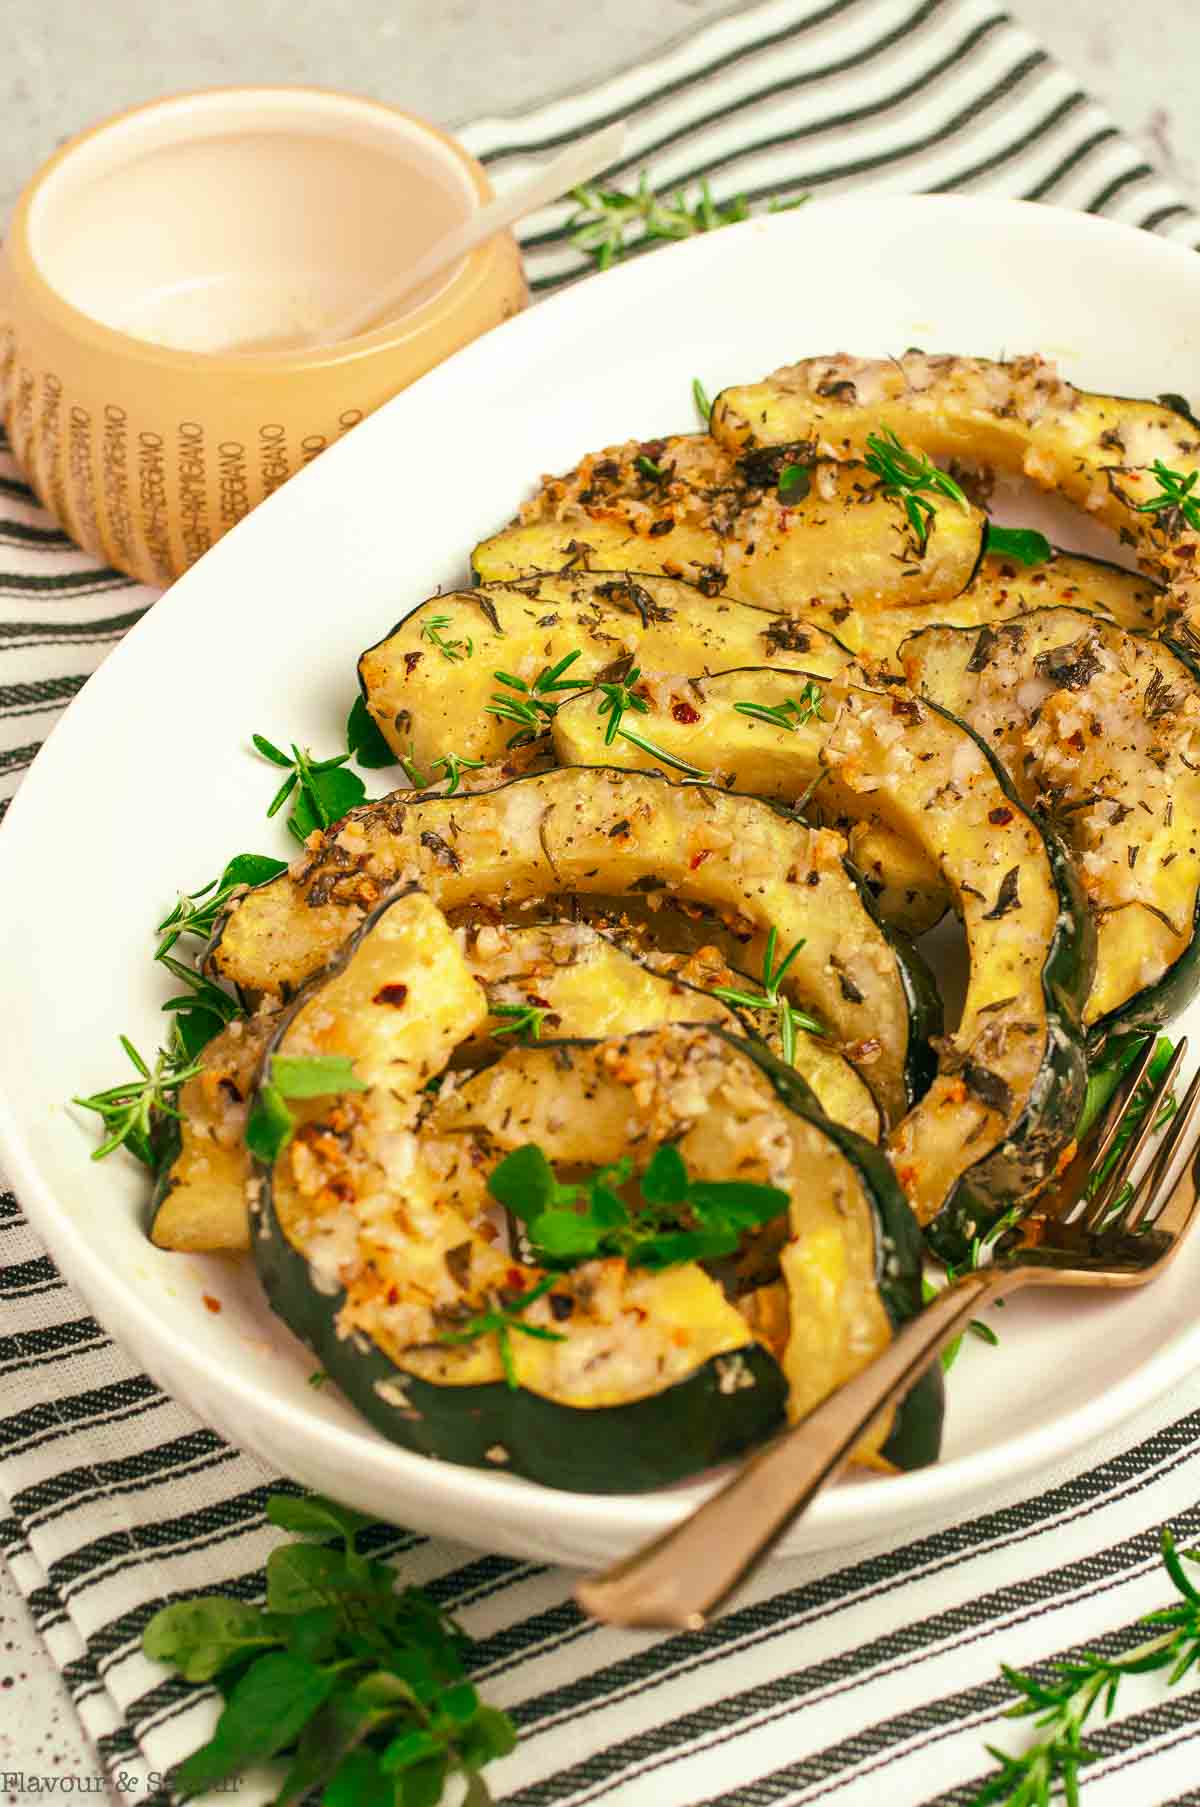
(529, 705)
(454, 650)
(191, 916)
(453, 766)
(1061, 1704)
(771, 998)
(524, 1021)
(616, 699)
(128, 1111)
(324, 790)
(1175, 497)
(700, 397)
(792, 713)
(912, 479)
(604, 215)
(504, 1316)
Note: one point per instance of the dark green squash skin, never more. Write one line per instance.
(650, 1442)
(1025, 1159)
(916, 1436)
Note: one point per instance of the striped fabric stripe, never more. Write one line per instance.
(872, 1678)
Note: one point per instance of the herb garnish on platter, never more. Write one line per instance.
(603, 216)
(912, 478)
(360, 1685)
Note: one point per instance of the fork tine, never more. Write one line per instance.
(1094, 1216)
(1072, 1196)
(1150, 1194)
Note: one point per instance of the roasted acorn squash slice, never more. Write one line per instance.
(1100, 731)
(429, 683)
(1006, 1101)
(776, 529)
(373, 1241)
(581, 983)
(608, 831)
(1019, 416)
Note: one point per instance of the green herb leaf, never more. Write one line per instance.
(1175, 501)
(314, 1075)
(703, 405)
(604, 216)
(912, 479)
(680, 1219)
(130, 1112)
(453, 650)
(1062, 1697)
(322, 788)
(502, 1318)
(267, 1710)
(269, 1126)
(202, 1637)
(195, 912)
(522, 1021)
(649, 469)
(795, 482)
(311, 1513)
(1024, 544)
(364, 738)
(792, 713)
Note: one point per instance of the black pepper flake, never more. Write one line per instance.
(1132, 856)
(660, 528)
(1008, 897)
(618, 829)
(561, 1306)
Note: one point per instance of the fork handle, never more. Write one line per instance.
(675, 1581)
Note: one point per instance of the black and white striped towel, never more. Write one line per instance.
(869, 1680)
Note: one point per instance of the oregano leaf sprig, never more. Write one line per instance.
(678, 1218)
(271, 1126)
(358, 1682)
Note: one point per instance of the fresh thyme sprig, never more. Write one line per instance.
(504, 1316)
(1175, 496)
(195, 912)
(454, 650)
(361, 1685)
(529, 705)
(792, 713)
(679, 1218)
(771, 998)
(323, 789)
(616, 699)
(604, 216)
(1061, 1704)
(128, 1111)
(912, 478)
(524, 1021)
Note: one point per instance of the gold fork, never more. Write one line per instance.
(1122, 1235)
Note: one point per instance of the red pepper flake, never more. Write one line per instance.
(698, 859)
(683, 712)
(998, 817)
(515, 1279)
(211, 1304)
(396, 994)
